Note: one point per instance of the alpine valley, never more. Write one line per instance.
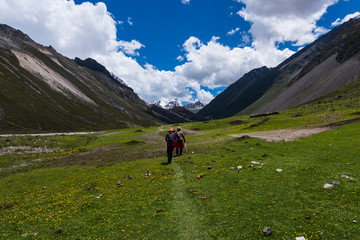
(43, 91)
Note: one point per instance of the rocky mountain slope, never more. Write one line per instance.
(331, 62)
(238, 95)
(326, 65)
(41, 90)
(194, 107)
(175, 115)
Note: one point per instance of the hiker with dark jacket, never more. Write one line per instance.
(170, 142)
(180, 140)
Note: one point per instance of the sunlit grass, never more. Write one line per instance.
(115, 185)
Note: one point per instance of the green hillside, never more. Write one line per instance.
(115, 185)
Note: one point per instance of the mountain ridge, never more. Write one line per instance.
(41, 90)
(308, 74)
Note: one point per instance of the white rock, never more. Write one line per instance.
(279, 170)
(328, 186)
(254, 162)
(300, 238)
(239, 168)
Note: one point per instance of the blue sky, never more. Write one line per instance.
(187, 50)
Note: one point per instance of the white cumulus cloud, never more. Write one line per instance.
(130, 21)
(185, 1)
(233, 31)
(130, 47)
(346, 18)
(284, 20)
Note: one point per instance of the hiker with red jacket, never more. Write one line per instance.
(180, 140)
(171, 143)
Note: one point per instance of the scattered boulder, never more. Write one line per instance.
(159, 210)
(328, 186)
(205, 197)
(300, 238)
(267, 231)
(354, 221)
(200, 176)
(239, 168)
(345, 175)
(335, 183)
(278, 170)
(255, 162)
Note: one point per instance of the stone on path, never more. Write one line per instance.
(267, 231)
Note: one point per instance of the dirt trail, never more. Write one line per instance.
(45, 134)
(284, 134)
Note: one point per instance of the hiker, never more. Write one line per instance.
(170, 142)
(180, 140)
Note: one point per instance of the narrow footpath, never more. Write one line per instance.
(184, 210)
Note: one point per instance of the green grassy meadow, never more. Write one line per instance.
(97, 186)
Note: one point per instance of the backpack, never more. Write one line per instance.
(178, 136)
(170, 139)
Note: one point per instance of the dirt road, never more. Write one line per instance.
(284, 134)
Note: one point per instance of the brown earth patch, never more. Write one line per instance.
(236, 122)
(133, 142)
(355, 113)
(341, 123)
(260, 123)
(242, 138)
